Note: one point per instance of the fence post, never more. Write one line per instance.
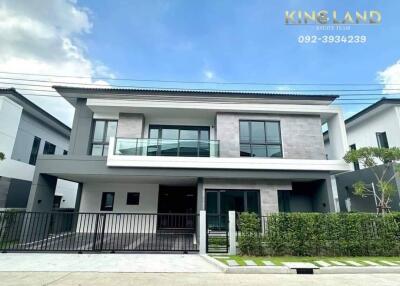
(232, 233)
(202, 233)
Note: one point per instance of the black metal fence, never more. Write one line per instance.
(217, 233)
(54, 231)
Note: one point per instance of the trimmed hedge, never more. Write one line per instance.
(315, 234)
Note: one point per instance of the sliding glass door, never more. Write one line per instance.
(176, 140)
(220, 202)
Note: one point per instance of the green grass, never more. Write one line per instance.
(278, 260)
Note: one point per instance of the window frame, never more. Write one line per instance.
(48, 144)
(266, 144)
(244, 191)
(356, 165)
(160, 127)
(133, 193)
(103, 141)
(32, 156)
(103, 208)
(378, 134)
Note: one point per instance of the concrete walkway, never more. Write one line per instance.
(192, 279)
(48, 262)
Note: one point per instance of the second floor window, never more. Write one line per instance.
(355, 164)
(34, 151)
(260, 139)
(189, 141)
(103, 130)
(382, 140)
(49, 148)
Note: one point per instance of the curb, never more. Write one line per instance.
(286, 270)
(221, 266)
(358, 270)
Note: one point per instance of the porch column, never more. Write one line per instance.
(42, 193)
(202, 233)
(232, 233)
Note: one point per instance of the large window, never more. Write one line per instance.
(49, 148)
(382, 140)
(103, 130)
(190, 141)
(260, 139)
(107, 201)
(222, 201)
(34, 151)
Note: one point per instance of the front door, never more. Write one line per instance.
(176, 207)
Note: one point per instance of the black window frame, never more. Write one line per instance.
(378, 139)
(356, 165)
(251, 144)
(103, 201)
(34, 150)
(245, 207)
(159, 129)
(103, 142)
(136, 198)
(49, 148)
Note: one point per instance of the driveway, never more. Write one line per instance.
(57, 262)
(191, 279)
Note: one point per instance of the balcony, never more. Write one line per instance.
(166, 147)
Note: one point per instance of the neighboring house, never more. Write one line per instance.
(26, 131)
(182, 151)
(375, 126)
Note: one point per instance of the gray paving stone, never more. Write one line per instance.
(353, 263)
(268, 263)
(388, 263)
(232, 262)
(322, 263)
(250, 263)
(337, 263)
(371, 263)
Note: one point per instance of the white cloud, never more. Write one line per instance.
(42, 37)
(390, 77)
(209, 74)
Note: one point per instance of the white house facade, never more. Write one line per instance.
(375, 126)
(27, 131)
(157, 151)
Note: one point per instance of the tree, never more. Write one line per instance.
(2, 157)
(372, 157)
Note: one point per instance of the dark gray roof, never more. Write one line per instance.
(24, 100)
(382, 101)
(196, 92)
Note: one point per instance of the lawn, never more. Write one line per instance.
(278, 260)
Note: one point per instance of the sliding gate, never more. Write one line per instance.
(111, 232)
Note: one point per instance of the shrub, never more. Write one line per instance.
(314, 234)
(250, 238)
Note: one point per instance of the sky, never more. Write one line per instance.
(202, 41)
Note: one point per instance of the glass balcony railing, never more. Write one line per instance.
(166, 147)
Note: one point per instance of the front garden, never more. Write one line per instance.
(319, 235)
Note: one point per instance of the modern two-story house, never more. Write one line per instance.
(182, 151)
(378, 125)
(26, 131)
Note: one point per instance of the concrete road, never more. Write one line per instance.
(188, 279)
